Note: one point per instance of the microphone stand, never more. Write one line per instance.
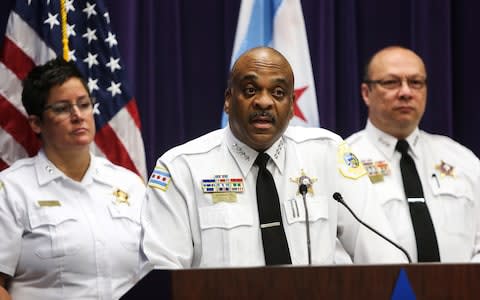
(303, 190)
(338, 197)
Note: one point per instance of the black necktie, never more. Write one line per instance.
(275, 247)
(427, 246)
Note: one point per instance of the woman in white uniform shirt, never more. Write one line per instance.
(69, 221)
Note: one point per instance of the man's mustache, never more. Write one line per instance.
(262, 114)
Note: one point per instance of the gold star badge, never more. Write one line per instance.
(121, 197)
(445, 169)
(304, 179)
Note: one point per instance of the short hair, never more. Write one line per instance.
(41, 79)
(366, 67)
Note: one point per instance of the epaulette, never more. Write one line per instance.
(302, 134)
(202, 144)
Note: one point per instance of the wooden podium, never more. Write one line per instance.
(428, 281)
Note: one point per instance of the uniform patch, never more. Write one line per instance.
(222, 184)
(160, 178)
(121, 197)
(348, 164)
(304, 179)
(445, 169)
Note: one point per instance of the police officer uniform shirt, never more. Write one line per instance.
(201, 202)
(62, 239)
(450, 176)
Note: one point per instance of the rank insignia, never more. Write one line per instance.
(222, 184)
(222, 188)
(304, 179)
(373, 172)
(445, 169)
(160, 178)
(121, 197)
(348, 164)
(383, 167)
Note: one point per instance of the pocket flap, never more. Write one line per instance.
(225, 216)
(295, 211)
(118, 211)
(49, 215)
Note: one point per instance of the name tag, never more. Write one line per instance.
(47, 203)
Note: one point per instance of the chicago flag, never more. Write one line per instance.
(279, 24)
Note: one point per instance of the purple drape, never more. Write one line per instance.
(178, 53)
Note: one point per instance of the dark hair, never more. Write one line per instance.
(41, 79)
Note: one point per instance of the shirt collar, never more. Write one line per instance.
(245, 156)
(46, 171)
(386, 143)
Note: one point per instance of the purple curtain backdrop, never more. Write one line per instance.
(178, 53)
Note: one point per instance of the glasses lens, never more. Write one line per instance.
(64, 109)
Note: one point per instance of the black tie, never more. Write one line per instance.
(275, 247)
(427, 246)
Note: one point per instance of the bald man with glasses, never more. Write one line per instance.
(429, 184)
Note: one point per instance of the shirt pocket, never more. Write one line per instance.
(458, 206)
(126, 221)
(54, 231)
(226, 234)
(295, 210)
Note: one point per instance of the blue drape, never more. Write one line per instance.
(177, 54)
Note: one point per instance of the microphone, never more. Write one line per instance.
(338, 197)
(302, 189)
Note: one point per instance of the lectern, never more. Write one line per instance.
(428, 281)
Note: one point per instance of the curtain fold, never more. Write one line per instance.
(177, 54)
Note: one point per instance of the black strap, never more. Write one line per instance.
(275, 246)
(427, 246)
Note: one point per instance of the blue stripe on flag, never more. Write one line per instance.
(163, 173)
(161, 183)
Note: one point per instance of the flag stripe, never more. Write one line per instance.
(15, 59)
(133, 110)
(11, 88)
(17, 126)
(123, 124)
(10, 149)
(109, 143)
(28, 40)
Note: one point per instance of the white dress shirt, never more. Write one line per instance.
(63, 239)
(450, 176)
(185, 226)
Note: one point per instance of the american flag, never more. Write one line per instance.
(34, 36)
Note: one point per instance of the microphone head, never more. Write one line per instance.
(338, 197)
(303, 188)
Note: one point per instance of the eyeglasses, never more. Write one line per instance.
(64, 109)
(395, 83)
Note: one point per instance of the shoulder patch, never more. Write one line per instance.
(160, 178)
(348, 164)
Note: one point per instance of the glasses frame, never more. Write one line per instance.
(71, 105)
(399, 82)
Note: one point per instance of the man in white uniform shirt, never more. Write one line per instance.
(395, 91)
(203, 203)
